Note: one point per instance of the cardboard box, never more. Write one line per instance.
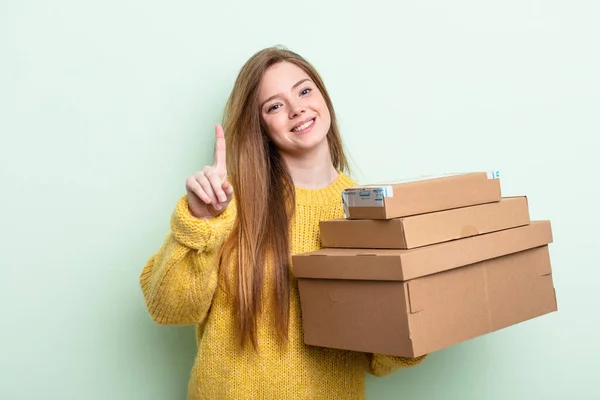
(425, 229)
(420, 196)
(413, 302)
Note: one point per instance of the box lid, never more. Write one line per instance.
(420, 195)
(402, 265)
(425, 229)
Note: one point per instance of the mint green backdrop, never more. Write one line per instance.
(106, 107)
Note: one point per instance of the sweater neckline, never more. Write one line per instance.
(325, 195)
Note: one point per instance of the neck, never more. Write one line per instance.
(312, 170)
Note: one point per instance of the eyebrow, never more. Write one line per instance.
(300, 82)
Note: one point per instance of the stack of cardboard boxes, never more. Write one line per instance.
(420, 265)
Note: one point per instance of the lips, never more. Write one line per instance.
(301, 126)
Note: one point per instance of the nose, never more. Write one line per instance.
(296, 109)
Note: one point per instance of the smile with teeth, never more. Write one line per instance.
(304, 126)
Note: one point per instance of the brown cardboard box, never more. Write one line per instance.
(425, 229)
(420, 196)
(413, 302)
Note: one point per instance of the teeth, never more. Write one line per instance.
(304, 126)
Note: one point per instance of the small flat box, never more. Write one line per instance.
(425, 229)
(421, 195)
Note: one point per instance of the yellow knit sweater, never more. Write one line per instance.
(180, 286)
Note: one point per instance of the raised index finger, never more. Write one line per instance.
(220, 160)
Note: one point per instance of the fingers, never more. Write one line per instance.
(210, 185)
(207, 188)
(211, 188)
(194, 186)
(216, 183)
(220, 153)
(228, 189)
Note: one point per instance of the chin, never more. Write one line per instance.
(311, 141)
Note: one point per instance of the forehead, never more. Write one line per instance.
(280, 78)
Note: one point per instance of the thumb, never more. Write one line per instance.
(228, 189)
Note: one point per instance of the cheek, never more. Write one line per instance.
(275, 126)
(323, 110)
(325, 115)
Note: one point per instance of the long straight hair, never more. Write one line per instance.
(265, 196)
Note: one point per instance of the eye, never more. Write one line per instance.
(305, 91)
(273, 107)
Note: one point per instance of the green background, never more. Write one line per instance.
(106, 107)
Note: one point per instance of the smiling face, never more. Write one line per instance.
(293, 109)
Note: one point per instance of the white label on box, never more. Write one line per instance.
(493, 174)
(365, 196)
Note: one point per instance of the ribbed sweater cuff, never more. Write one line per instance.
(203, 234)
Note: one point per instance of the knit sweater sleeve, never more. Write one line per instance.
(381, 365)
(178, 282)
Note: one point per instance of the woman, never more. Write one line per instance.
(225, 265)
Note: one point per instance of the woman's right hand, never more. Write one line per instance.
(208, 190)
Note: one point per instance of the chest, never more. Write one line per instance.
(304, 235)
